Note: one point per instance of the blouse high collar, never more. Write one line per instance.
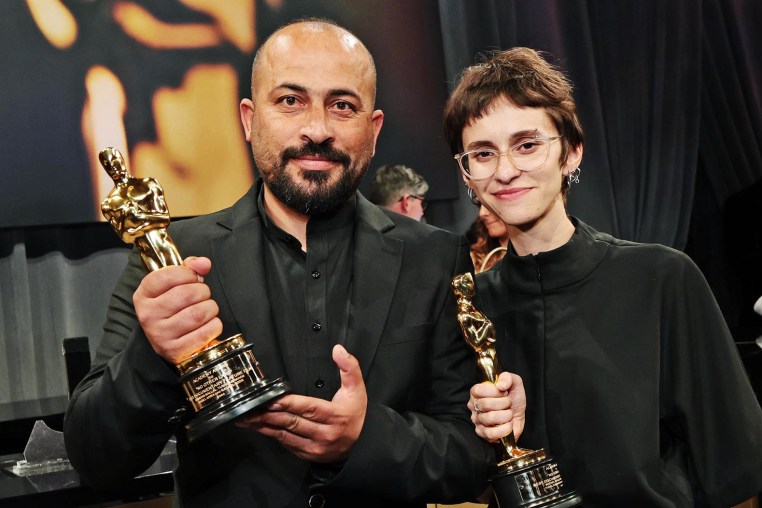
(558, 268)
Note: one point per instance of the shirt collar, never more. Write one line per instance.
(338, 218)
(560, 267)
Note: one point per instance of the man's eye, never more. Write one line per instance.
(344, 106)
(289, 101)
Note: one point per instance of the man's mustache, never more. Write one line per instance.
(324, 150)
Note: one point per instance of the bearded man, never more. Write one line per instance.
(346, 300)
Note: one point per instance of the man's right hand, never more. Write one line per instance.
(176, 311)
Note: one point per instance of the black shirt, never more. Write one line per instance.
(310, 295)
(632, 379)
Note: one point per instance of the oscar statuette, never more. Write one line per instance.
(521, 478)
(223, 380)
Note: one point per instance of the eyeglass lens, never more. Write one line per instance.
(525, 156)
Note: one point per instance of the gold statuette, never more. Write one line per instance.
(521, 477)
(223, 380)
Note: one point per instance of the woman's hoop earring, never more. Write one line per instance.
(573, 176)
(472, 196)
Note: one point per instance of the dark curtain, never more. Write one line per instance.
(670, 96)
(726, 230)
(635, 66)
(55, 283)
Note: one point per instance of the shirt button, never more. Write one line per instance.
(316, 326)
(315, 274)
(316, 501)
(319, 383)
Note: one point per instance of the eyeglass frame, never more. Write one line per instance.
(422, 199)
(459, 156)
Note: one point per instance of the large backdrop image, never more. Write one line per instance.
(161, 82)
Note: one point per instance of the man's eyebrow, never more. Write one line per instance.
(339, 92)
(335, 92)
(292, 86)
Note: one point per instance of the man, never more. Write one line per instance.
(400, 189)
(347, 301)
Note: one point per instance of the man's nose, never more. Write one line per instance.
(317, 126)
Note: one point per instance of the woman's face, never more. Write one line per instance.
(495, 227)
(522, 199)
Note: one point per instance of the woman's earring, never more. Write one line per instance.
(573, 176)
(472, 196)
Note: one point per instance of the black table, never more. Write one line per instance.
(63, 488)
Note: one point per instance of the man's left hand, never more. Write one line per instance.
(315, 429)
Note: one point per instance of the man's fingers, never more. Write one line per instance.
(200, 265)
(182, 348)
(303, 447)
(160, 281)
(349, 368)
(317, 410)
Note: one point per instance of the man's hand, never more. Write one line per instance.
(315, 429)
(176, 311)
(499, 409)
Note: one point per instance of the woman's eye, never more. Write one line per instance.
(484, 156)
(528, 146)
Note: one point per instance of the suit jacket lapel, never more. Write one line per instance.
(238, 257)
(377, 262)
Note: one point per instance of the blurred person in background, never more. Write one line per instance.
(400, 189)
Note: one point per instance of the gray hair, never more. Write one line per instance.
(392, 181)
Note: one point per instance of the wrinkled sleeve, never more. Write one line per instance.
(121, 415)
(706, 393)
(433, 455)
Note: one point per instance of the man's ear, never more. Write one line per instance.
(405, 203)
(377, 119)
(247, 114)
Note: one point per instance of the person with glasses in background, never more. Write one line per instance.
(632, 378)
(400, 189)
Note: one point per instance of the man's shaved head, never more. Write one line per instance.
(313, 27)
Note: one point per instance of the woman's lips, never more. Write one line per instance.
(511, 194)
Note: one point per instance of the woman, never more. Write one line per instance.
(490, 240)
(632, 379)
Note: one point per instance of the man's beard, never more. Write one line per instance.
(319, 196)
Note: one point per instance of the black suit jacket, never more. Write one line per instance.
(417, 444)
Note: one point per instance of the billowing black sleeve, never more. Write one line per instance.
(123, 413)
(706, 393)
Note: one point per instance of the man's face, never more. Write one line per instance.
(416, 206)
(311, 122)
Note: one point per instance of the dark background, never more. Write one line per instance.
(669, 94)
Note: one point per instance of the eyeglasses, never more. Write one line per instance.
(526, 155)
(422, 199)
